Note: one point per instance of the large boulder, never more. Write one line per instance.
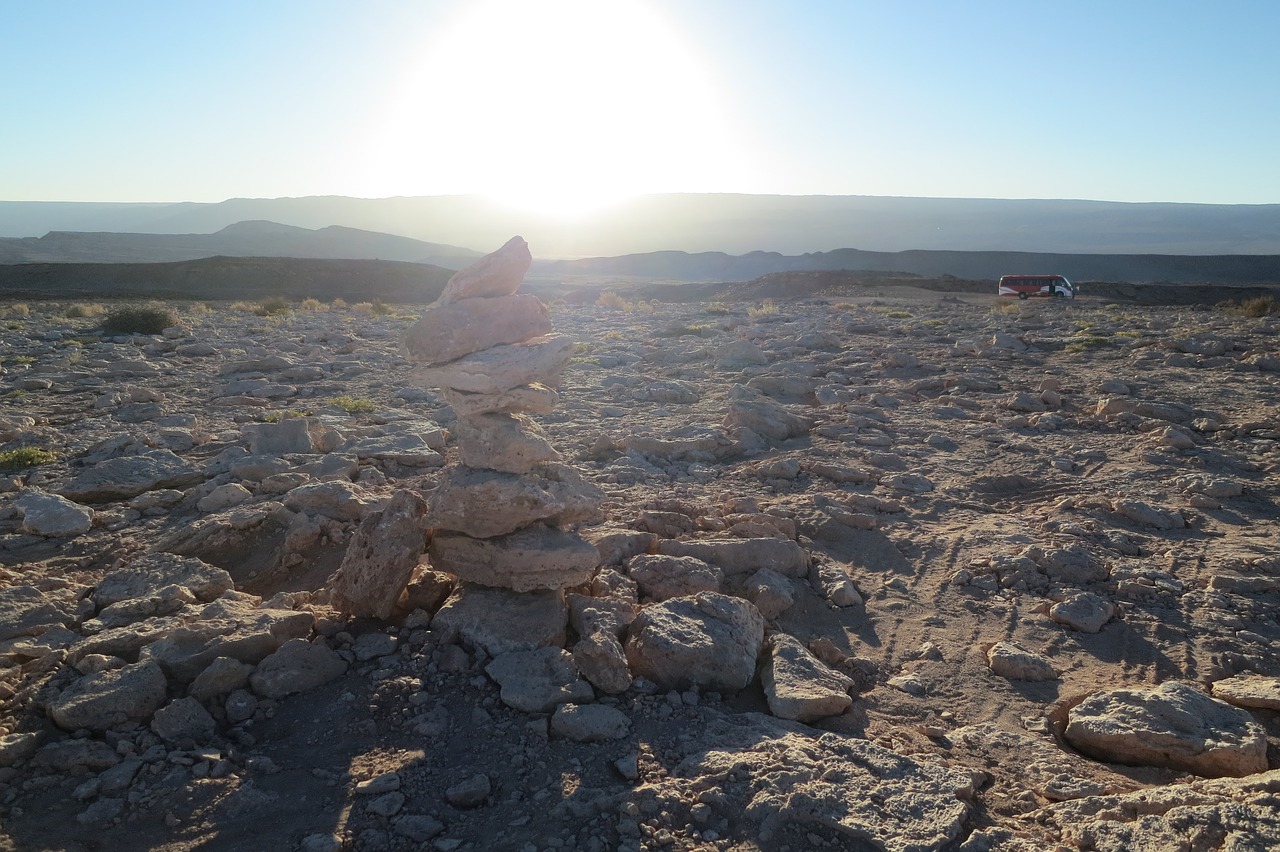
(1174, 725)
(472, 325)
(381, 558)
(706, 640)
(109, 698)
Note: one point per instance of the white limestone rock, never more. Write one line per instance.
(53, 516)
(298, 665)
(381, 558)
(536, 557)
(109, 698)
(500, 620)
(798, 686)
(1016, 663)
(706, 640)
(661, 577)
(538, 681)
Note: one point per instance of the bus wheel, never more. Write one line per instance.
(1060, 294)
(1022, 295)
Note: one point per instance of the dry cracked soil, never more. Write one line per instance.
(1031, 503)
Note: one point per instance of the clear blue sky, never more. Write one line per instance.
(559, 103)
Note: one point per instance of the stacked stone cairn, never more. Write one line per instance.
(501, 516)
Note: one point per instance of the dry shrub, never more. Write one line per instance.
(314, 305)
(79, 311)
(339, 304)
(611, 301)
(19, 310)
(271, 306)
(765, 309)
(365, 308)
(1260, 306)
(152, 318)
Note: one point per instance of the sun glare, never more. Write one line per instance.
(558, 106)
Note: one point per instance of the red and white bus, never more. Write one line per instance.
(1026, 286)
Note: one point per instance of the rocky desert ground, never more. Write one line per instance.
(883, 569)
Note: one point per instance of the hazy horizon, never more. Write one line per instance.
(561, 106)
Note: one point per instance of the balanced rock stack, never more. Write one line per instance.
(500, 516)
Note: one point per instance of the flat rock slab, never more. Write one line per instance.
(486, 503)
(27, 611)
(225, 628)
(501, 368)
(743, 555)
(342, 501)
(460, 328)
(498, 273)
(52, 515)
(381, 558)
(1174, 725)
(536, 557)
(660, 577)
(533, 398)
(706, 640)
(798, 686)
(128, 476)
(872, 797)
(539, 681)
(500, 620)
(1254, 691)
(148, 574)
(590, 723)
(1242, 811)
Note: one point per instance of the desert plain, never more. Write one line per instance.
(1015, 566)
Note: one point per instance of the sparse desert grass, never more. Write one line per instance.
(314, 305)
(1258, 306)
(25, 457)
(285, 414)
(1006, 308)
(717, 308)
(767, 308)
(339, 304)
(681, 330)
(899, 315)
(354, 404)
(151, 318)
(18, 309)
(1085, 342)
(81, 310)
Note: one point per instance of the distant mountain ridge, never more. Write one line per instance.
(733, 224)
(241, 239)
(974, 265)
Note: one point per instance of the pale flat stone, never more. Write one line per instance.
(706, 640)
(225, 628)
(501, 368)
(532, 558)
(183, 720)
(798, 686)
(538, 681)
(590, 723)
(52, 515)
(750, 409)
(381, 558)
(1015, 663)
(450, 331)
(485, 503)
(511, 443)
(1248, 690)
(498, 273)
(25, 611)
(743, 555)
(533, 398)
(1085, 612)
(128, 476)
(342, 501)
(1174, 725)
(660, 577)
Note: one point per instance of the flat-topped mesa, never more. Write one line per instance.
(495, 274)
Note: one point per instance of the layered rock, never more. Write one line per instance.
(501, 517)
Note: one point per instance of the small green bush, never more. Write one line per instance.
(25, 457)
(139, 319)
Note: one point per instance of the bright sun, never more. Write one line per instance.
(556, 106)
